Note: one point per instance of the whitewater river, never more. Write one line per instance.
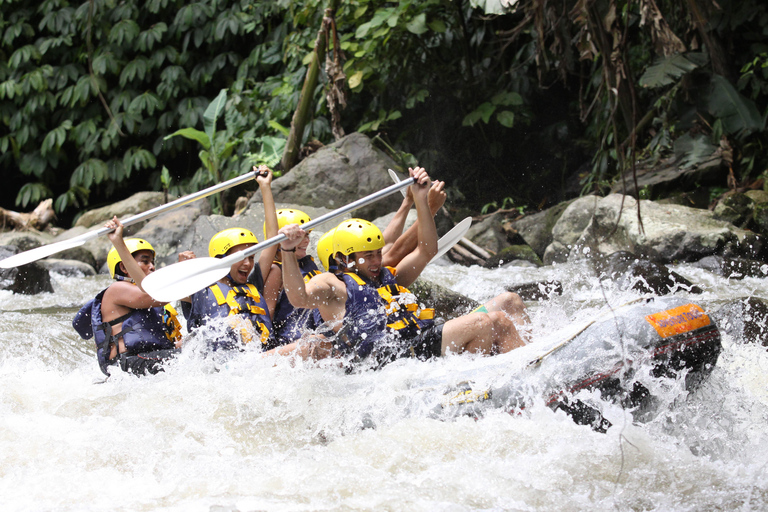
(260, 434)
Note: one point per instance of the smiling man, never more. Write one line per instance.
(368, 306)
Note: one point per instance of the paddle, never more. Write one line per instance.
(182, 279)
(47, 250)
(396, 179)
(452, 237)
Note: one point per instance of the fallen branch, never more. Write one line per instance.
(38, 219)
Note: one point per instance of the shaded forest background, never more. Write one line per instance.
(515, 104)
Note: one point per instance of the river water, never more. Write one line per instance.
(260, 434)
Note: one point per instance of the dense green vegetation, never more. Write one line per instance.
(518, 105)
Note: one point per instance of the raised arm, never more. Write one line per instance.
(323, 291)
(407, 243)
(267, 256)
(130, 296)
(395, 227)
(411, 266)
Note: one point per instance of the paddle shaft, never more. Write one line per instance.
(47, 250)
(182, 201)
(241, 255)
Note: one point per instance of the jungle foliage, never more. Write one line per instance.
(501, 98)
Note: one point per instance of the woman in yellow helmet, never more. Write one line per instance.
(289, 323)
(130, 327)
(235, 296)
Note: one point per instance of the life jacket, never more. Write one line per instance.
(142, 330)
(235, 303)
(291, 323)
(365, 322)
(404, 315)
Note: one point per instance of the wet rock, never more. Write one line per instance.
(512, 253)
(336, 175)
(569, 228)
(447, 303)
(69, 268)
(628, 271)
(536, 229)
(733, 268)
(744, 319)
(668, 233)
(735, 208)
(24, 240)
(29, 279)
(537, 291)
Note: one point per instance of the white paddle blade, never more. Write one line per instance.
(182, 279)
(396, 179)
(452, 237)
(41, 252)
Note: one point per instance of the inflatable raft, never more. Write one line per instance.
(622, 353)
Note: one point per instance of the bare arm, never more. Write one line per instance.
(413, 264)
(323, 291)
(267, 256)
(395, 227)
(130, 296)
(273, 285)
(407, 243)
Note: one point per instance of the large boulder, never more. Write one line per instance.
(336, 175)
(536, 229)
(198, 234)
(69, 268)
(733, 268)
(137, 203)
(626, 271)
(669, 232)
(168, 231)
(29, 279)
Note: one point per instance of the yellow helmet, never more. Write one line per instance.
(134, 245)
(223, 241)
(287, 216)
(356, 235)
(325, 249)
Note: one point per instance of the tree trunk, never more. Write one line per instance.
(301, 116)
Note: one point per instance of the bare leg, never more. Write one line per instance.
(483, 333)
(511, 304)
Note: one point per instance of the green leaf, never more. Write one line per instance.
(32, 193)
(437, 26)
(277, 126)
(483, 112)
(211, 114)
(125, 30)
(193, 134)
(667, 70)
(738, 114)
(507, 99)
(355, 80)
(418, 25)
(506, 118)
